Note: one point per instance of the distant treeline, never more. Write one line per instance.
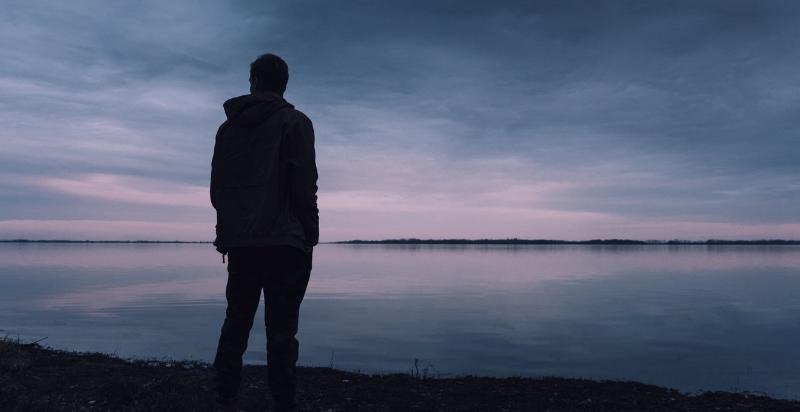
(97, 241)
(515, 241)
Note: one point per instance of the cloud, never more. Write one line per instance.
(103, 230)
(129, 189)
(526, 116)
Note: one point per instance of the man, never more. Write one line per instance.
(263, 187)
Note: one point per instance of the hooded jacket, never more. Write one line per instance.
(264, 175)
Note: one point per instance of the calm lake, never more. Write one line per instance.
(688, 317)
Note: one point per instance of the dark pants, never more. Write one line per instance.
(282, 272)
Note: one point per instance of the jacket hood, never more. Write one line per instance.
(252, 109)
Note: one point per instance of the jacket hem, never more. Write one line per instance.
(234, 242)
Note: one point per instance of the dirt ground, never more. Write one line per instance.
(34, 378)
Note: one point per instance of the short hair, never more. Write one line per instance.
(272, 73)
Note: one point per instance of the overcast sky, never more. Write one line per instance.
(557, 119)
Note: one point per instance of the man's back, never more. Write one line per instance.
(263, 175)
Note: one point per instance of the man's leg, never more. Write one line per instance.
(243, 293)
(284, 287)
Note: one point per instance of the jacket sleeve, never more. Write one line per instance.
(211, 188)
(211, 183)
(212, 193)
(302, 177)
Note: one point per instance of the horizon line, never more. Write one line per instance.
(497, 241)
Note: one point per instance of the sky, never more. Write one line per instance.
(433, 119)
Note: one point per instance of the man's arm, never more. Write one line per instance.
(211, 184)
(212, 196)
(213, 166)
(302, 177)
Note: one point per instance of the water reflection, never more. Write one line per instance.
(691, 317)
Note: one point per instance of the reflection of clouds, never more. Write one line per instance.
(193, 273)
(186, 258)
(451, 265)
(687, 316)
(98, 301)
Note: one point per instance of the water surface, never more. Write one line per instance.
(689, 317)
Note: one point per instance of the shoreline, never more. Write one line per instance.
(592, 242)
(467, 242)
(38, 378)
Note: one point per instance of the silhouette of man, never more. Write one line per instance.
(263, 187)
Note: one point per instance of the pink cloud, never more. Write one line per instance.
(129, 189)
(106, 230)
(515, 209)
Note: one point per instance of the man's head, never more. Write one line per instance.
(268, 73)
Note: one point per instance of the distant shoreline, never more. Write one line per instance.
(413, 241)
(98, 241)
(567, 242)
